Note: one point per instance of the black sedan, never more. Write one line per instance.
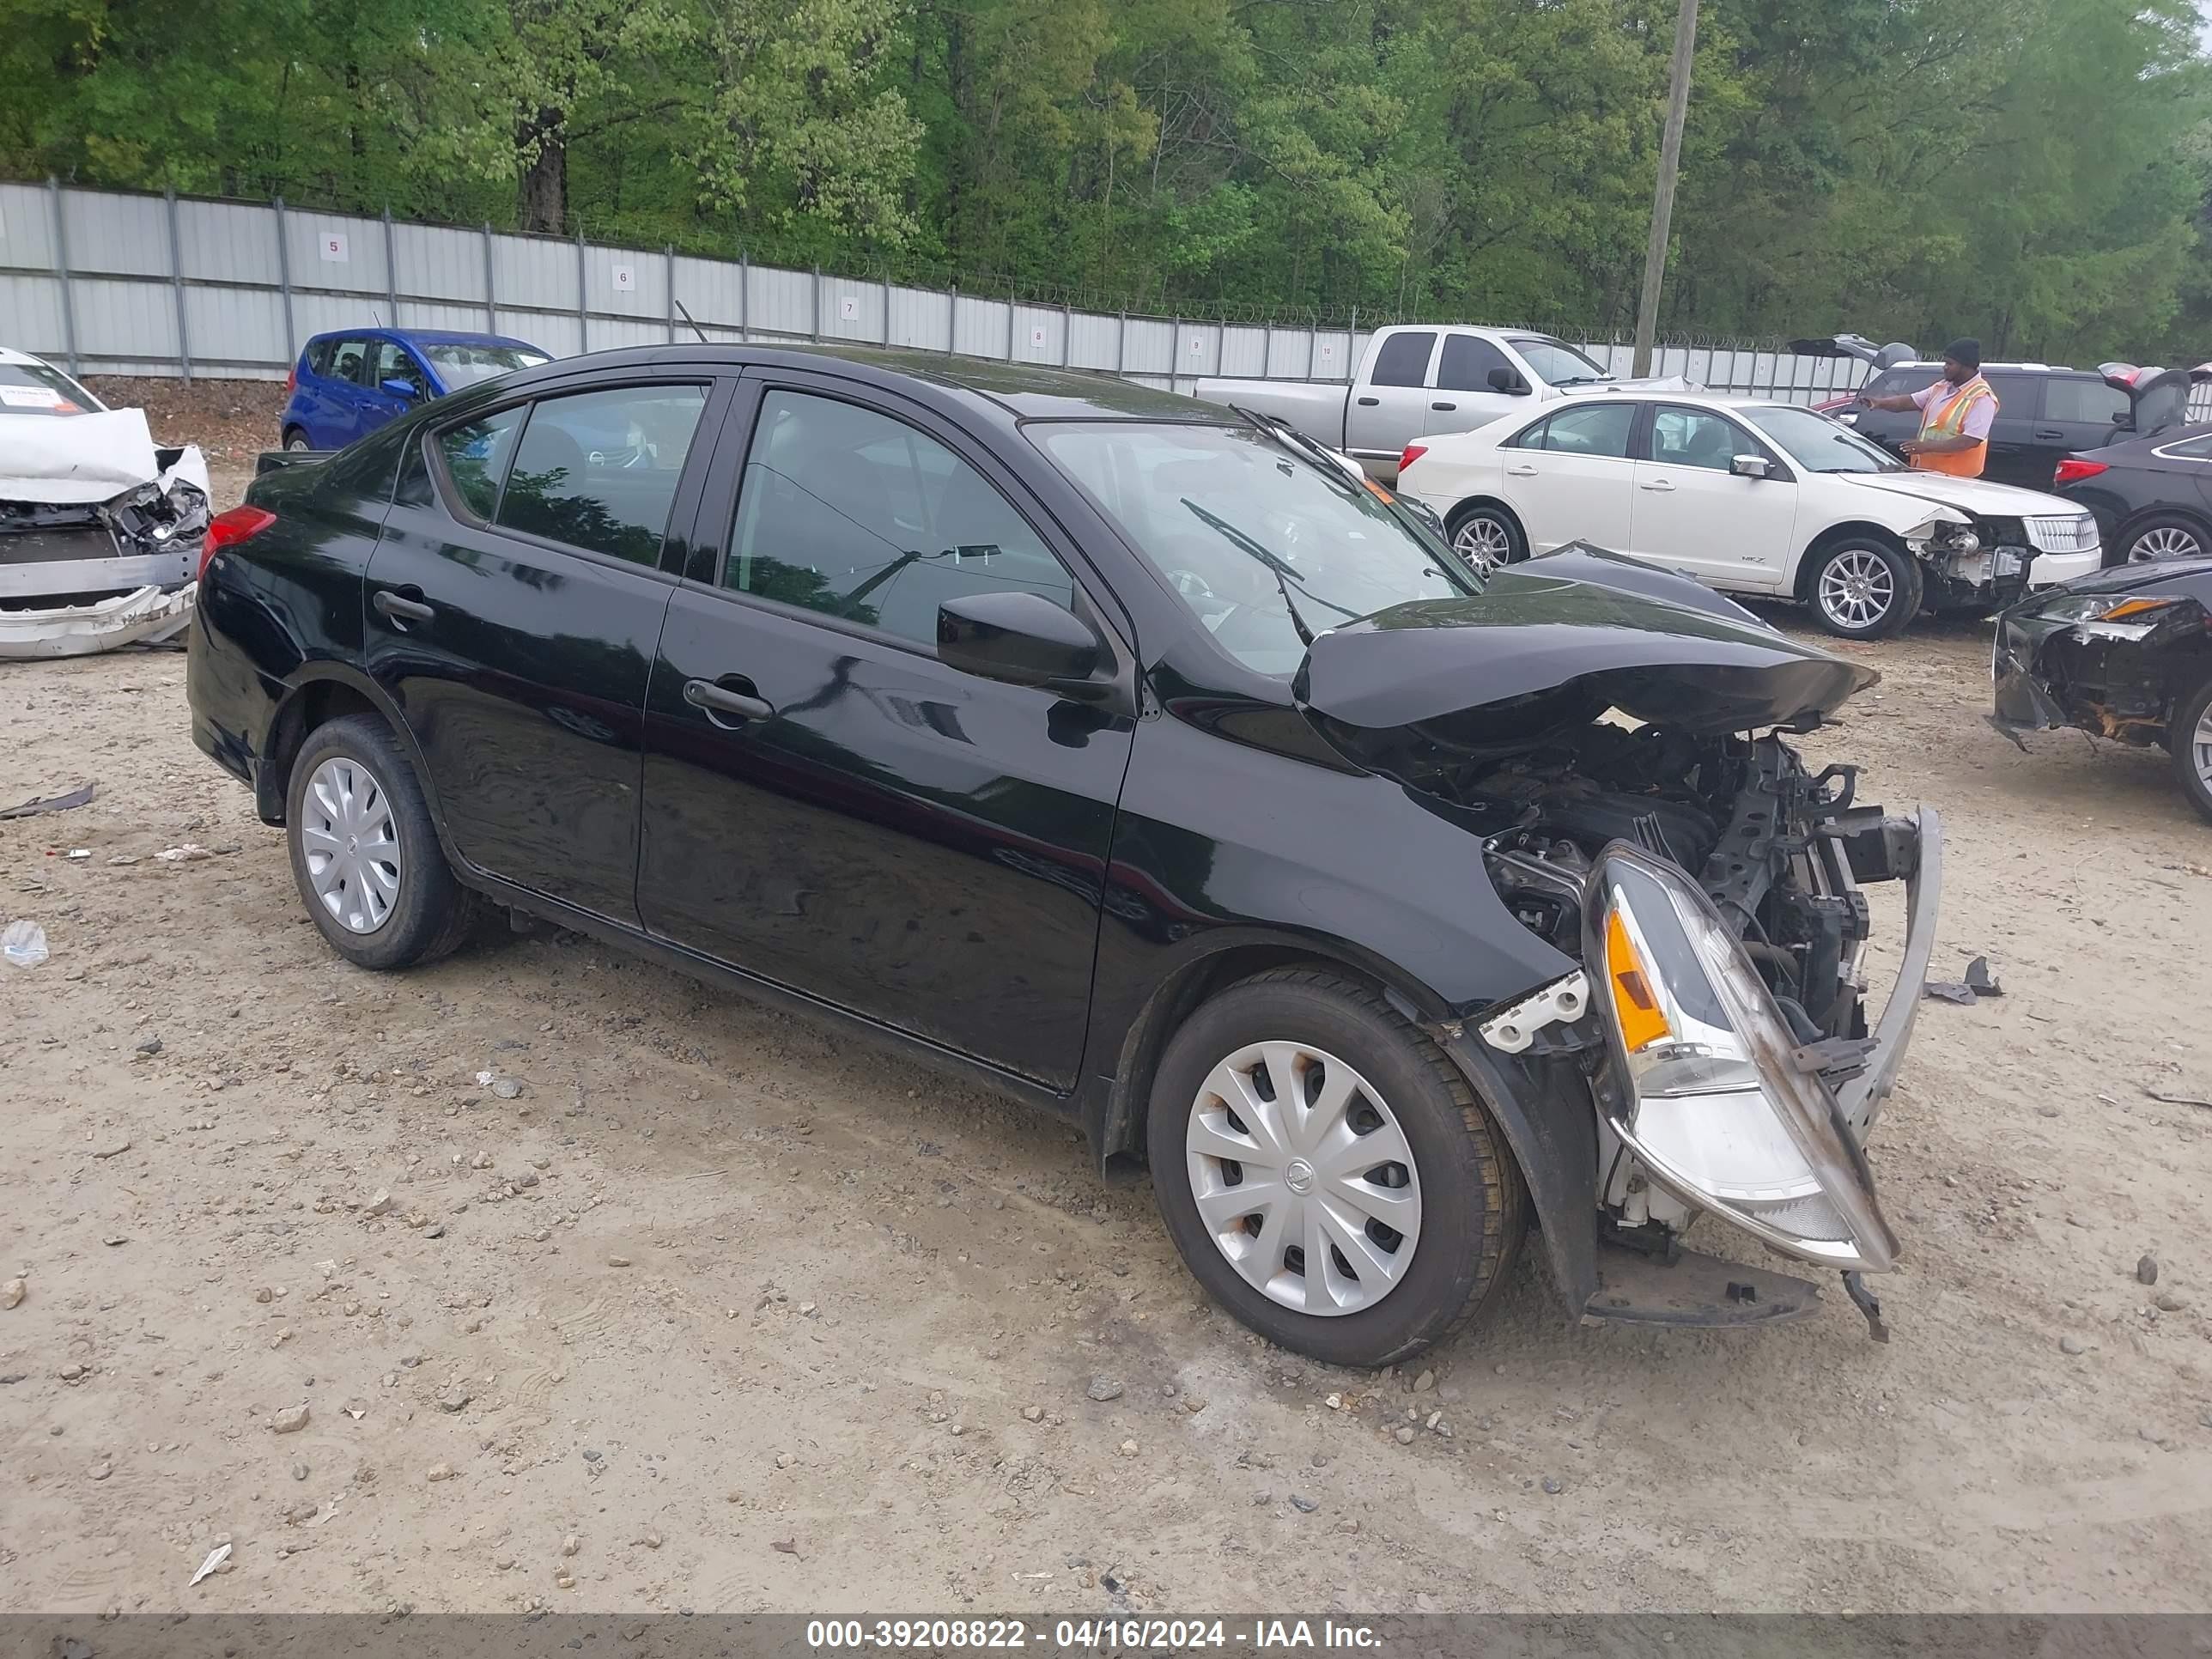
(2152, 496)
(1132, 757)
(2125, 654)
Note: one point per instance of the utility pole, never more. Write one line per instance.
(1662, 198)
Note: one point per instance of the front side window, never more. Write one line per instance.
(854, 513)
(38, 389)
(1245, 529)
(1817, 443)
(388, 360)
(350, 361)
(1557, 363)
(1403, 359)
(1600, 429)
(1694, 437)
(476, 457)
(598, 469)
(465, 365)
(1467, 363)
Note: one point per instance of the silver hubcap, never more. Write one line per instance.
(2167, 542)
(1856, 589)
(1484, 543)
(1303, 1178)
(352, 845)
(2200, 747)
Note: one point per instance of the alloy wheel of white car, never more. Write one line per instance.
(1856, 589)
(1303, 1178)
(1485, 541)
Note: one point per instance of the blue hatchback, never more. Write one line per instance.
(349, 383)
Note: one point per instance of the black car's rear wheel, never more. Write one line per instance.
(2190, 741)
(2169, 536)
(364, 852)
(1326, 1171)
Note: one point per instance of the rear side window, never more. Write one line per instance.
(476, 454)
(598, 469)
(1898, 382)
(318, 357)
(1404, 359)
(1599, 429)
(2087, 403)
(1467, 363)
(2017, 394)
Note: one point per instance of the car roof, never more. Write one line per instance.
(1004, 392)
(9, 354)
(2010, 369)
(425, 335)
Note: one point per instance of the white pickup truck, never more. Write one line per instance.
(1418, 379)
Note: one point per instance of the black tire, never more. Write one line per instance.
(2169, 529)
(2190, 714)
(1473, 1205)
(432, 912)
(1501, 524)
(1840, 559)
(295, 439)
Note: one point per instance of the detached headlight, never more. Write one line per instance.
(2103, 607)
(1717, 1106)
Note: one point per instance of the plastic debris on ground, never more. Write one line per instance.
(23, 943)
(1978, 983)
(80, 796)
(190, 852)
(216, 1557)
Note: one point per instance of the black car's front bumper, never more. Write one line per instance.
(2109, 679)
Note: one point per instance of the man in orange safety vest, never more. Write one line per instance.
(1956, 414)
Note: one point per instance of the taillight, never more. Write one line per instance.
(1411, 453)
(2073, 469)
(228, 529)
(291, 380)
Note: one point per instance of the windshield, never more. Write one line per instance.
(465, 365)
(1244, 530)
(35, 389)
(1558, 363)
(1817, 443)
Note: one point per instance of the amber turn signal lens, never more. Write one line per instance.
(1635, 1006)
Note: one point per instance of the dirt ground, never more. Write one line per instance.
(717, 1313)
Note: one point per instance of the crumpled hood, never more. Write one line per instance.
(61, 460)
(1687, 666)
(1975, 495)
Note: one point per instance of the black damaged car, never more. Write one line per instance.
(2124, 654)
(1130, 757)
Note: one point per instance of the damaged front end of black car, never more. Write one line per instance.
(1709, 884)
(2125, 654)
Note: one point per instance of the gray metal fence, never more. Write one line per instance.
(122, 284)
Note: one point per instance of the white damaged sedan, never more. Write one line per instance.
(1748, 496)
(100, 530)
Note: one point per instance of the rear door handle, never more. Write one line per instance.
(1524, 471)
(1659, 486)
(401, 609)
(1445, 408)
(2048, 432)
(720, 699)
(1369, 402)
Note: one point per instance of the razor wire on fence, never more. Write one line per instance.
(132, 284)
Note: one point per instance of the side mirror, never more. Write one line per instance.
(1505, 380)
(1749, 466)
(397, 388)
(1023, 639)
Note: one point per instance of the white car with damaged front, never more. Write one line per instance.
(1749, 496)
(100, 530)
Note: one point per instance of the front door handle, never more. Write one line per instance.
(720, 699)
(1369, 402)
(1659, 486)
(1445, 409)
(401, 609)
(1524, 471)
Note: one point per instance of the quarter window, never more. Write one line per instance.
(1403, 359)
(1695, 437)
(476, 454)
(598, 469)
(855, 514)
(2192, 449)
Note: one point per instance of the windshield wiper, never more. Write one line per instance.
(1288, 437)
(1283, 570)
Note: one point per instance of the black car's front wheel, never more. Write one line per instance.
(2189, 739)
(364, 852)
(1326, 1171)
